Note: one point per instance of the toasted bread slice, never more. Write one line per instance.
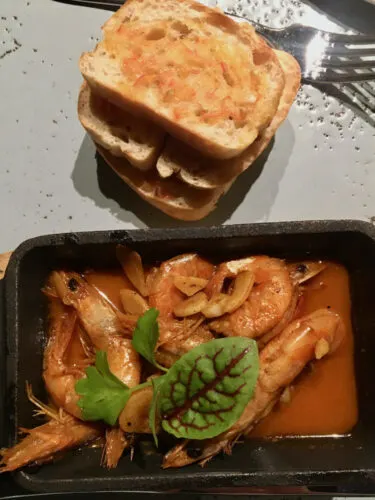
(202, 172)
(121, 133)
(171, 196)
(204, 78)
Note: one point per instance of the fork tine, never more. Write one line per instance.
(363, 95)
(356, 93)
(346, 39)
(347, 65)
(344, 51)
(334, 77)
(370, 89)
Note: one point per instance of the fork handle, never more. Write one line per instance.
(267, 33)
(100, 4)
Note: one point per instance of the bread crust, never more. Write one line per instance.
(170, 196)
(139, 141)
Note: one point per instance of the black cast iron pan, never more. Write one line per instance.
(342, 465)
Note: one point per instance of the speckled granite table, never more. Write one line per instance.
(321, 165)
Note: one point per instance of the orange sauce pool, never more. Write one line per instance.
(324, 401)
(109, 284)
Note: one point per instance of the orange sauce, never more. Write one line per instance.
(109, 284)
(324, 401)
(76, 352)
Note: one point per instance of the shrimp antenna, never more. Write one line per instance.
(42, 408)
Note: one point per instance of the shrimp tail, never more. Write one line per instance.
(41, 443)
(116, 442)
(178, 456)
(187, 453)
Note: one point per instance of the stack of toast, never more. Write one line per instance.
(180, 100)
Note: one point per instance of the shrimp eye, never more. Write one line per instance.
(194, 450)
(301, 268)
(73, 284)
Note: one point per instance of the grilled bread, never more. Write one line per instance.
(209, 81)
(203, 172)
(171, 196)
(136, 139)
(192, 192)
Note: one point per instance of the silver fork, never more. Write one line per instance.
(324, 57)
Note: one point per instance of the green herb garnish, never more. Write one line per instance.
(103, 395)
(202, 395)
(154, 407)
(146, 336)
(206, 390)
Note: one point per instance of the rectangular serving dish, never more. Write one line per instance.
(343, 464)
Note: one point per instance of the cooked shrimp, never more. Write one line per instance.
(299, 272)
(44, 441)
(96, 314)
(60, 372)
(289, 315)
(281, 361)
(59, 376)
(101, 324)
(171, 351)
(165, 296)
(267, 302)
(105, 331)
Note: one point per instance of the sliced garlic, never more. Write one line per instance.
(223, 303)
(133, 302)
(189, 285)
(131, 263)
(216, 306)
(192, 305)
(241, 290)
(321, 348)
(286, 396)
